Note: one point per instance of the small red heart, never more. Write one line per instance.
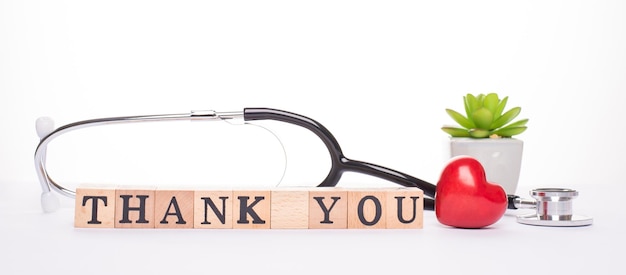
(465, 199)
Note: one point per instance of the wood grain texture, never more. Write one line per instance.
(290, 209)
(174, 208)
(252, 209)
(405, 208)
(213, 209)
(94, 207)
(134, 207)
(328, 208)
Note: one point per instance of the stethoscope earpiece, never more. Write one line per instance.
(44, 126)
(554, 208)
(49, 202)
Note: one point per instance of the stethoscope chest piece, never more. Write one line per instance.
(554, 208)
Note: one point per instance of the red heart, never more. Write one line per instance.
(465, 199)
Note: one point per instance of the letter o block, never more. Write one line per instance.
(366, 209)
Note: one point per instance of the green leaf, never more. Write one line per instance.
(460, 119)
(471, 104)
(456, 132)
(491, 102)
(482, 118)
(498, 112)
(506, 118)
(479, 133)
(518, 123)
(510, 131)
(480, 98)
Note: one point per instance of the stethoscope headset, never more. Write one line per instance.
(553, 205)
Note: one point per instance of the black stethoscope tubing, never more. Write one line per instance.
(341, 163)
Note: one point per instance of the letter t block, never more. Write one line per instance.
(95, 206)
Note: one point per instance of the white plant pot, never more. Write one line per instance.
(501, 158)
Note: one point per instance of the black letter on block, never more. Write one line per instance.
(400, 218)
(378, 210)
(179, 215)
(220, 215)
(244, 209)
(326, 210)
(94, 207)
(141, 208)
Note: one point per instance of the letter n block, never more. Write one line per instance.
(328, 208)
(95, 206)
(290, 208)
(173, 208)
(405, 208)
(366, 208)
(134, 207)
(252, 209)
(213, 209)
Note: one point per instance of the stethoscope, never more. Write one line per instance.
(553, 205)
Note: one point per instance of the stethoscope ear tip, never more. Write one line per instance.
(49, 202)
(44, 126)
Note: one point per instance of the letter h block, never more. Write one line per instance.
(134, 207)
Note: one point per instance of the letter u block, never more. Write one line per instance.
(405, 208)
(95, 207)
(134, 207)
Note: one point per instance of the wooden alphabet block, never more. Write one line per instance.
(134, 207)
(290, 209)
(366, 209)
(405, 208)
(213, 209)
(315, 208)
(95, 207)
(174, 208)
(252, 209)
(328, 208)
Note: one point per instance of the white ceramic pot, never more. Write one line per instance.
(501, 158)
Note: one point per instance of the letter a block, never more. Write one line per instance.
(173, 208)
(405, 208)
(213, 209)
(366, 209)
(290, 209)
(251, 209)
(134, 207)
(328, 208)
(95, 207)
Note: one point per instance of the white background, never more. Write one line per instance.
(378, 74)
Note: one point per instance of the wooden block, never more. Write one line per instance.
(173, 208)
(213, 209)
(95, 206)
(366, 208)
(252, 209)
(405, 208)
(290, 208)
(328, 208)
(134, 207)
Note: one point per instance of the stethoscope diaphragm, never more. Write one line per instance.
(554, 208)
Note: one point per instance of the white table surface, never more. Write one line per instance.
(34, 242)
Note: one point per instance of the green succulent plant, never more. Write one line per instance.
(486, 118)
